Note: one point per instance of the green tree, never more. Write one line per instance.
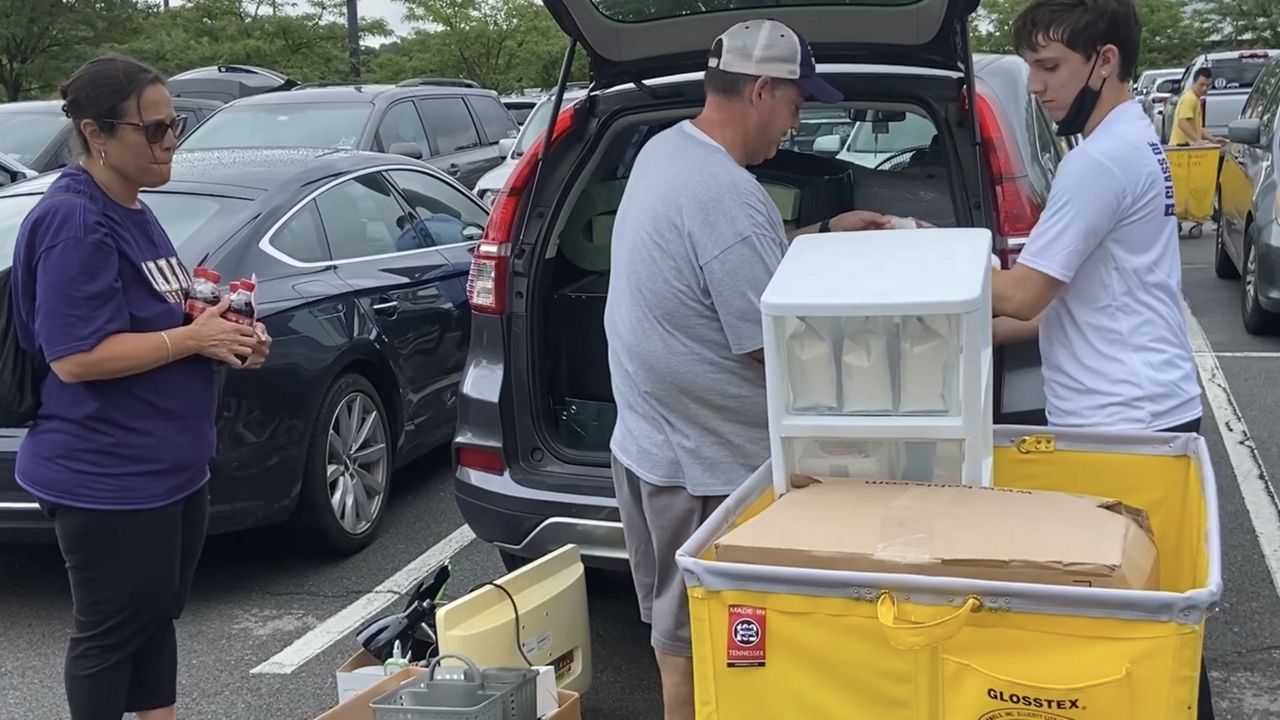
(989, 29)
(501, 44)
(306, 41)
(41, 41)
(1172, 34)
(1171, 30)
(1246, 22)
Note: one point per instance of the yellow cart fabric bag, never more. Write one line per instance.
(772, 643)
(1194, 171)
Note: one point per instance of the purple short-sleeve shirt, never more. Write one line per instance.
(85, 268)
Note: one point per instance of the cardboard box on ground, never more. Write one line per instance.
(950, 530)
(357, 707)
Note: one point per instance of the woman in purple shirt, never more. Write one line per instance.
(119, 452)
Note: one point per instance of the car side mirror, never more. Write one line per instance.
(407, 149)
(505, 146)
(1245, 131)
(828, 145)
(472, 233)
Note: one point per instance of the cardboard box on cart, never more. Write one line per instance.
(357, 706)
(1002, 534)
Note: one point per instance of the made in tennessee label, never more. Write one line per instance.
(746, 636)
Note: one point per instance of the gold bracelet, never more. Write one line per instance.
(168, 346)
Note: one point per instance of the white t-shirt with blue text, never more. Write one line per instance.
(1114, 342)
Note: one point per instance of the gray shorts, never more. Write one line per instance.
(656, 521)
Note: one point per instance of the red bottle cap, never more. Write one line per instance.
(208, 274)
(233, 287)
(247, 285)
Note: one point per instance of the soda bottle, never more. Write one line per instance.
(241, 308)
(203, 293)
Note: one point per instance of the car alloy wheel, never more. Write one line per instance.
(1250, 280)
(1257, 319)
(1223, 266)
(356, 467)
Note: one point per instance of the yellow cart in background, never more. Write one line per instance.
(1194, 170)
(886, 646)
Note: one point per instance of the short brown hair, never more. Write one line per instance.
(727, 84)
(1084, 26)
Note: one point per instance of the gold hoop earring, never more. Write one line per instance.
(102, 158)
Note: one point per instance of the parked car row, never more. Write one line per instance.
(463, 131)
(451, 123)
(350, 204)
(1247, 245)
(1234, 74)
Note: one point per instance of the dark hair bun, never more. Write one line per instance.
(101, 88)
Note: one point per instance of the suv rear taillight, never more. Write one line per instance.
(1017, 209)
(491, 263)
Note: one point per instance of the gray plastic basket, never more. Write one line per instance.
(520, 688)
(462, 694)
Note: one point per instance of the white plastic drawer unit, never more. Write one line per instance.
(882, 340)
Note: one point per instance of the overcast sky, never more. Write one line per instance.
(389, 10)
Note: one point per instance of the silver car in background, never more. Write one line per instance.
(1153, 89)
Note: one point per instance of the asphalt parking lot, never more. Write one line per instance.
(257, 594)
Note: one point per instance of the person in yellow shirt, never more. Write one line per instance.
(1188, 119)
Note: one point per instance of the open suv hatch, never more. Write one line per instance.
(536, 405)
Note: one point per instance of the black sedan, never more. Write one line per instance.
(361, 261)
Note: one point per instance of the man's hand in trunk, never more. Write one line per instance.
(852, 221)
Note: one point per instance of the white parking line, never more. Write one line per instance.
(1241, 354)
(361, 611)
(1251, 475)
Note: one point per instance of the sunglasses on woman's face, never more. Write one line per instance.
(155, 130)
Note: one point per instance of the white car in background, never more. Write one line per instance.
(490, 183)
(881, 138)
(12, 171)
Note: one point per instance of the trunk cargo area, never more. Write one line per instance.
(571, 396)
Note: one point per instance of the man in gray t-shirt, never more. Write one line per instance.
(695, 242)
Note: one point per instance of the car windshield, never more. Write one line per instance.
(913, 131)
(334, 125)
(1236, 72)
(181, 216)
(24, 135)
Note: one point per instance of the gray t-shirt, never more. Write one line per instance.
(695, 241)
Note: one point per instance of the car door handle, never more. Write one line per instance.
(386, 306)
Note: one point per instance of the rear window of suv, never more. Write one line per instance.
(890, 158)
(1237, 72)
(643, 10)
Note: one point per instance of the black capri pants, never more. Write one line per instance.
(130, 573)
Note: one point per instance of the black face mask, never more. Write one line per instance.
(1082, 106)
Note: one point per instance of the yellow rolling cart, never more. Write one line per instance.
(881, 646)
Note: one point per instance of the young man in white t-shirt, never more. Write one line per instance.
(1101, 275)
